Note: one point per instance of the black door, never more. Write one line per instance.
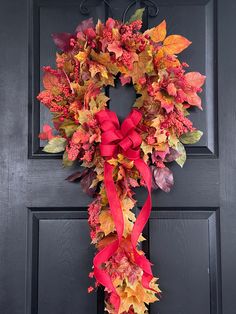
(44, 239)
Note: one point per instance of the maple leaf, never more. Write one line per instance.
(91, 91)
(174, 44)
(95, 68)
(106, 221)
(157, 33)
(51, 82)
(165, 100)
(106, 241)
(116, 48)
(104, 58)
(146, 148)
(140, 66)
(82, 56)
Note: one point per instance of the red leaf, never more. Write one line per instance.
(171, 89)
(162, 178)
(124, 79)
(85, 25)
(194, 100)
(90, 33)
(47, 133)
(110, 23)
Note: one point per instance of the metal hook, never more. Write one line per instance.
(85, 10)
(152, 7)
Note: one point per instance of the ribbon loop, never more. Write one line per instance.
(125, 137)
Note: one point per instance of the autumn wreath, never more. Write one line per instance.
(119, 157)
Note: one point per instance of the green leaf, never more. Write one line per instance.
(66, 161)
(55, 145)
(138, 14)
(191, 137)
(182, 158)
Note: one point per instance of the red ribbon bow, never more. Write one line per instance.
(126, 140)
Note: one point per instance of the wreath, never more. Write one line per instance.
(118, 157)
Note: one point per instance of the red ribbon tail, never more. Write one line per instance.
(116, 211)
(140, 222)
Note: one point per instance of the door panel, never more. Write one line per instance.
(60, 260)
(191, 278)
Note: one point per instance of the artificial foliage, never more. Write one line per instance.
(120, 156)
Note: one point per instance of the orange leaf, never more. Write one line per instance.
(116, 48)
(50, 81)
(175, 44)
(106, 241)
(157, 33)
(106, 222)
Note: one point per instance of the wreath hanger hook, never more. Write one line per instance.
(84, 10)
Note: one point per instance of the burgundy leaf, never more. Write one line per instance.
(173, 155)
(62, 40)
(162, 178)
(85, 25)
(86, 182)
(77, 176)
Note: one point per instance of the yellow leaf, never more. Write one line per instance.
(84, 116)
(162, 147)
(104, 59)
(113, 161)
(146, 148)
(106, 222)
(173, 140)
(101, 100)
(175, 44)
(157, 33)
(95, 68)
(81, 56)
(157, 121)
(127, 203)
(161, 138)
